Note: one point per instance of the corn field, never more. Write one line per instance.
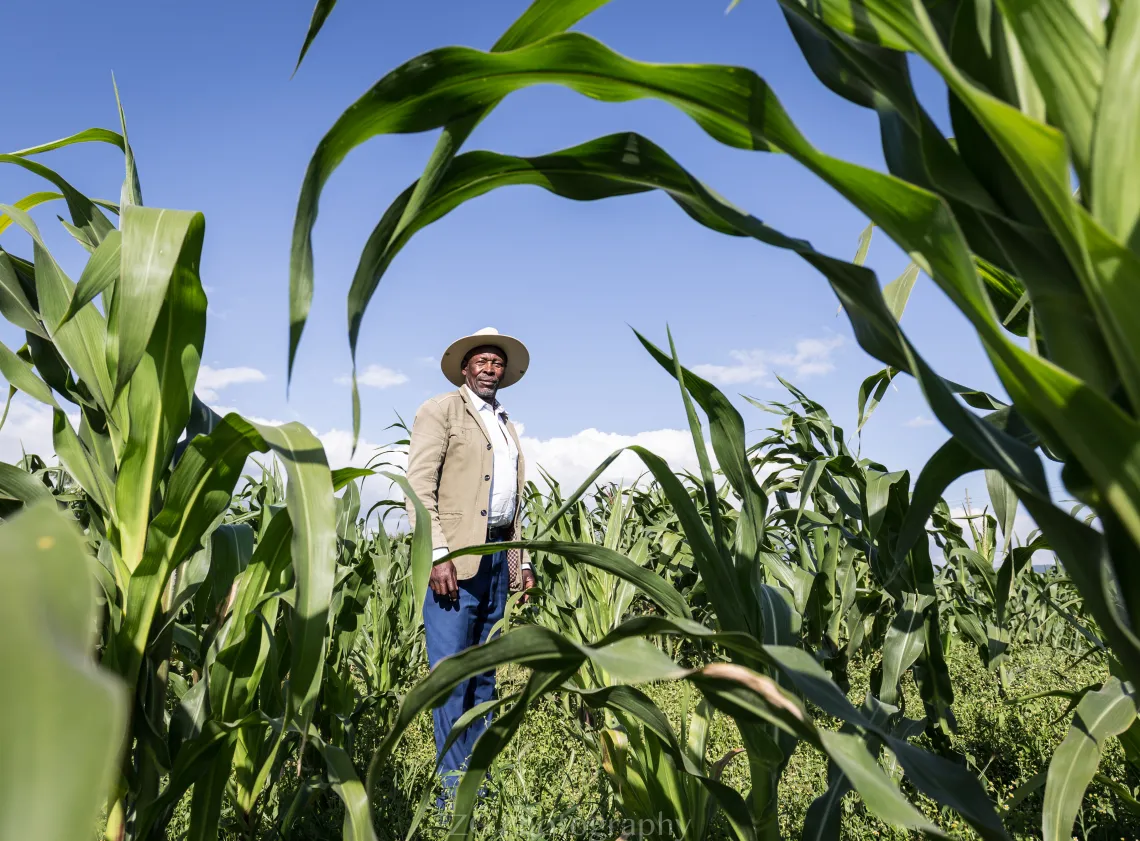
(203, 633)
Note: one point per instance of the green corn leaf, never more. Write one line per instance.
(530, 645)
(871, 392)
(209, 791)
(63, 731)
(490, 744)
(82, 341)
(309, 499)
(42, 197)
(822, 821)
(897, 292)
(950, 784)
(1067, 64)
(131, 192)
(1114, 185)
(199, 491)
(231, 545)
(542, 18)
(88, 222)
(161, 251)
(850, 754)
(345, 782)
(1107, 712)
(14, 304)
(321, 12)
(101, 271)
(903, 644)
(727, 434)
(702, 452)
(1004, 501)
(71, 451)
(421, 560)
(22, 486)
(198, 754)
(91, 135)
(618, 565)
(159, 247)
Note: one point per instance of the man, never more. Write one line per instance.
(466, 467)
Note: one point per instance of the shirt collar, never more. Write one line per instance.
(482, 405)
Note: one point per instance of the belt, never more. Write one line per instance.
(499, 533)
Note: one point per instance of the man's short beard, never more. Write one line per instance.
(486, 394)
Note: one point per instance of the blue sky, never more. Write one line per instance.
(217, 125)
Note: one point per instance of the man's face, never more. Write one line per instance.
(485, 367)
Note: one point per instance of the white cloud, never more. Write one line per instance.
(28, 430)
(571, 459)
(375, 376)
(811, 358)
(211, 380)
(919, 420)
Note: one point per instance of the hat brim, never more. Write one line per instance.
(518, 358)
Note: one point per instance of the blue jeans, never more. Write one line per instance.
(451, 626)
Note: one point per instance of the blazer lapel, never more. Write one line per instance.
(474, 414)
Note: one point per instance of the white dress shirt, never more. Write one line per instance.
(503, 497)
(504, 474)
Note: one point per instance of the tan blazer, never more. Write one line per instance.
(450, 461)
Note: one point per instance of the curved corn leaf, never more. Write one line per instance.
(71, 451)
(199, 490)
(155, 333)
(309, 499)
(91, 135)
(822, 821)
(63, 730)
(748, 115)
(542, 18)
(421, 557)
(871, 392)
(43, 196)
(82, 341)
(321, 12)
(726, 431)
(1115, 190)
(131, 192)
(88, 222)
(22, 486)
(159, 247)
(1107, 712)
(14, 303)
(618, 565)
(345, 782)
(101, 271)
(903, 644)
(850, 755)
(490, 744)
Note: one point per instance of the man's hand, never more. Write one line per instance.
(443, 581)
(528, 581)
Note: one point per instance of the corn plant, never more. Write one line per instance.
(190, 604)
(582, 602)
(651, 788)
(754, 624)
(1027, 218)
(64, 717)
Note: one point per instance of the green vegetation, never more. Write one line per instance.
(795, 640)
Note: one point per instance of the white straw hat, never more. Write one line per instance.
(518, 358)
